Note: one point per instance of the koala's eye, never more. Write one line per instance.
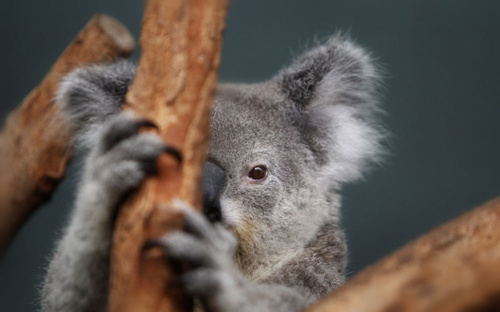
(258, 173)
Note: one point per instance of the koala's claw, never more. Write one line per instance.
(122, 127)
(173, 152)
(125, 126)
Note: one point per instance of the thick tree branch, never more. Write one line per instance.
(35, 145)
(453, 268)
(174, 87)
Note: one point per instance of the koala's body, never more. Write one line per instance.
(278, 155)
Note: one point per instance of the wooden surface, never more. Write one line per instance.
(35, 145)
(453, 268)
(174, 87)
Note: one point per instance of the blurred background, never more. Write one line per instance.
(441, 96)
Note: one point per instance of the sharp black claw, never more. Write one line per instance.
(177, 282)
(174, 152)
(146, 123)
(123, 130)
(151, 244)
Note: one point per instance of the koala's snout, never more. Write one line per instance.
(214, 179)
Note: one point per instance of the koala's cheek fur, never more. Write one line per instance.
(250, 212)
(256, 202)
(246, 230)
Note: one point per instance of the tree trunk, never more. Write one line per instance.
(35, 145)
(453, 268)
(174, 87)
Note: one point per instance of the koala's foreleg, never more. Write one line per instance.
(77, 278)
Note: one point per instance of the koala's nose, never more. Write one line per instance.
(214, 179)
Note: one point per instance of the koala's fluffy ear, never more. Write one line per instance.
(90, 95)
(334, 87)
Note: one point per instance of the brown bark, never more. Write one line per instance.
(453, 268)
(35, 146)
(174, 87)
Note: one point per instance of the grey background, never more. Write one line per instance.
(442, 98)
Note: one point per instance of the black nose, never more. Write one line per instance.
(214, 179)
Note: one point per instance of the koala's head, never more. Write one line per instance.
(281, 149)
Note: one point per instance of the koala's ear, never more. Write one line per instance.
(89, 96)
(334, 86)
(338, 70)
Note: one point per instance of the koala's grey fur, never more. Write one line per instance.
(313, 126)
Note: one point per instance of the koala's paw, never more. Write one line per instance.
(209, 251)
(123, 157)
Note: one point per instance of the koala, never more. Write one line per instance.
(279, 153)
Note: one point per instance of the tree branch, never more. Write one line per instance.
(174, 87)
(35, 145)
(453, 268)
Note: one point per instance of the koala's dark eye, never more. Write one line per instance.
(258, 173)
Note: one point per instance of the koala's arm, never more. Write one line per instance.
(77, 277)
